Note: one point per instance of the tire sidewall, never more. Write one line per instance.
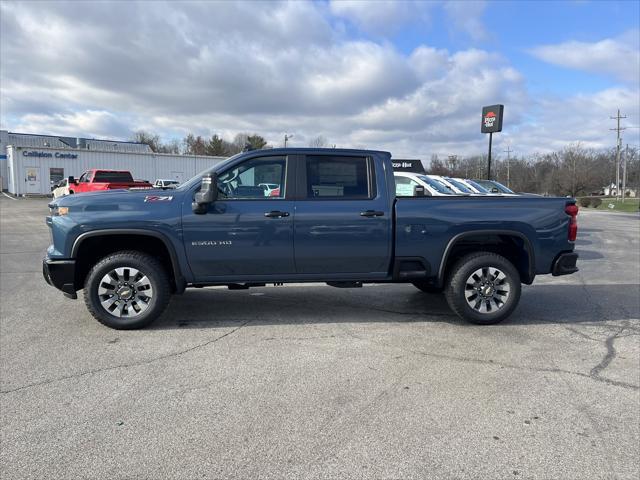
(456, 288)
(152, 272)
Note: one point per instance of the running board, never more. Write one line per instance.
(345, 284)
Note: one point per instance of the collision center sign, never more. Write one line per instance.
(33, 153)
(492, 118)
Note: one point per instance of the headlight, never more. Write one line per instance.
(57, 211)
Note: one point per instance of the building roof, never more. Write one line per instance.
(54, 141)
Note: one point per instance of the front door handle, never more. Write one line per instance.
(276, 214)
(371, 213)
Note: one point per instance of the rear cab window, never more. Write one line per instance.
(112, 177)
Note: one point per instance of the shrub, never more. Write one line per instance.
(584, 202)
(596, 202)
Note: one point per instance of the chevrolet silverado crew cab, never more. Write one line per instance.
(335, 218)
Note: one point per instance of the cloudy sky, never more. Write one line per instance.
(409, 77)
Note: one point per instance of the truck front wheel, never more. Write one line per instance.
(483, 288)
(127, 290)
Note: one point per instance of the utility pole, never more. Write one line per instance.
(624, 172)
(286, 139)
(508, 152)
(618, 145)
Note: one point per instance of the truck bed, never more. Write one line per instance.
(426, 225)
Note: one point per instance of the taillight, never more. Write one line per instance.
(572, 211)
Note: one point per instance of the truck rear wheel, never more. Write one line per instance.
(127, 290)
(483, 288)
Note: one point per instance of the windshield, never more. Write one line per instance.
(477, 186)
(459, 185)
(502, 188)
(490, 184)
(437, 186)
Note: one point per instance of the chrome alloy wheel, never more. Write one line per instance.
(125, 292)
(487, 290)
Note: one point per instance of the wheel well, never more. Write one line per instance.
(514, 248)
(93, 249)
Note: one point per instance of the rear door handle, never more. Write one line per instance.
(276, 214)
(371, 213)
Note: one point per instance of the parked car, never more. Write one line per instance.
(406, 182)
(448, 185)
(495, 187)
(270, 189)
(98, 180)
(479, 188)
(61, 188)
(338, 220)
(471, 188)
(165, 183)
(461, 186)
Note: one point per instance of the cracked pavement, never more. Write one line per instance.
(308, 381)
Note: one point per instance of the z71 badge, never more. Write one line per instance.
(158, 198)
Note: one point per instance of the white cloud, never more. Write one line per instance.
(466, 16)
(616, 57)
(554, 123)
(270, 68)
(381, 16)
(93, 123)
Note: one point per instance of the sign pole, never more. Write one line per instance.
(489, 163)
(491, 122)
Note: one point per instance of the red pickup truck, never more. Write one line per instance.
(94, 180)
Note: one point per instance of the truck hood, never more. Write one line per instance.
(116, 199)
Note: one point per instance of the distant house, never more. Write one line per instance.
(612, 191)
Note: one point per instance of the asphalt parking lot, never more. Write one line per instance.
(310, 381)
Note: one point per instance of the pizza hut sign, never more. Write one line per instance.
(492, 118)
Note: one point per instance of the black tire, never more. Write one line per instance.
(156, 284)
(426, 288)
(502, 301)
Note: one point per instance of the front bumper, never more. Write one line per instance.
(60, 274)
(565, 264)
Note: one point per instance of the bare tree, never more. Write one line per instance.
(319, 142)
(153, 140)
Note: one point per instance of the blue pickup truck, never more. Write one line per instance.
(327, 215)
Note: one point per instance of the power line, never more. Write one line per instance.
(618, 128)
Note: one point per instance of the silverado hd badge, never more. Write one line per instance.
(211, 243)
(158, 198)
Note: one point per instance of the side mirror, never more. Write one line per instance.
(420, 191)
(207, 195)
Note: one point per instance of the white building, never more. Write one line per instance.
(612, 191)
(31, 164)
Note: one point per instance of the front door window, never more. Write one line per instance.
(259, 178)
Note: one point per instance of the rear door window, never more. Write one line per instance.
(338, 177)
